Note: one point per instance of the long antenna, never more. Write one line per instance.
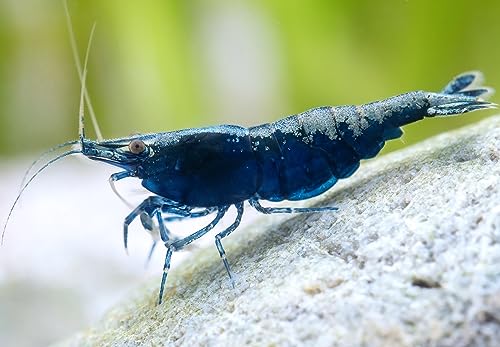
(50, 162)
(83, 75)
(43, 156)
(74, 50)
(81, 129)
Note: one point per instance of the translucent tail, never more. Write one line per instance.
(463, 94)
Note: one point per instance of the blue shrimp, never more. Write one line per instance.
(203, 171)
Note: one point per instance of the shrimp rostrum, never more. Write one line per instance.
(204, 171)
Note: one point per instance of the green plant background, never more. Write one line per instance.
(164, 65)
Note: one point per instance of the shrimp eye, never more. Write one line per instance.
(136, 146)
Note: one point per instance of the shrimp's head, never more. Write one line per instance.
(127, 153)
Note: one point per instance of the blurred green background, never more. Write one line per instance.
(163, 65)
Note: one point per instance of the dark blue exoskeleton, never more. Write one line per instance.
(197, 172)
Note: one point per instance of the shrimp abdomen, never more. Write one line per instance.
(303, 155)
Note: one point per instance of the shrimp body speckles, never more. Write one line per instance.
(196, 172)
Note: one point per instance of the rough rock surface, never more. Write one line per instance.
(412, 258)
